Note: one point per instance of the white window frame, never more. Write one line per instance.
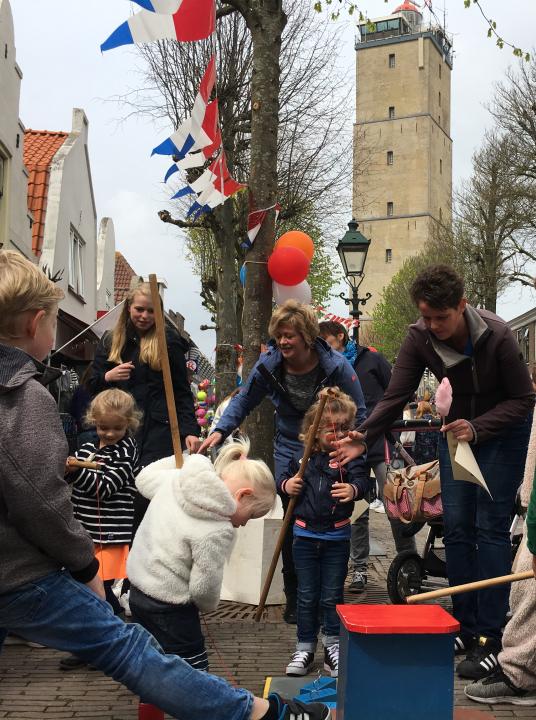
(76, 262)
(390, 209)
(390, 157)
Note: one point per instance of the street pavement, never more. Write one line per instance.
(242, 651)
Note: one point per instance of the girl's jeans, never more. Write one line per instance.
(61, 613)
(477, 528)
(321, 567)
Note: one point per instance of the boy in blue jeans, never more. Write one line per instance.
(50, 591)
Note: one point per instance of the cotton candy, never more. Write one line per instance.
(443, 397)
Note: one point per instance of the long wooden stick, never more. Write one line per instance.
(311, 437)
(73, 462)
(467, 587)
(166, 371)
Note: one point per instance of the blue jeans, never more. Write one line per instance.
(477, 528)
(321, 567)
(61, 613)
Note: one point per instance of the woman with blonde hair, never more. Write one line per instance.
(127, 358)
(297, 364)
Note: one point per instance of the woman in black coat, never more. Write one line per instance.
(127, 357)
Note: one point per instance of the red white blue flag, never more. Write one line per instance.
(200, 130)
(193, 20)
(255, 221)
(164, 7)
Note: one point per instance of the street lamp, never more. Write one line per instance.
(353, 248)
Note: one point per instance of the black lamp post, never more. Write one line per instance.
(353, 248)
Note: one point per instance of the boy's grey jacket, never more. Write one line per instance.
(38, 532)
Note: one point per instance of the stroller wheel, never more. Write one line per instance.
(404, 577)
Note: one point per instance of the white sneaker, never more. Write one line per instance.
(377, 506)
(300, 663)
(123, 601)
(13, 639)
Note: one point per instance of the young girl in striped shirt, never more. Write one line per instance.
(103, 499)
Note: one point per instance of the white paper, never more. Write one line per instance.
(464, 464)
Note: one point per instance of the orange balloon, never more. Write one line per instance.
(297, 239)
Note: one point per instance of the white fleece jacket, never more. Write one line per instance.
(186, 535)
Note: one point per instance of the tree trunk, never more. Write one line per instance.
(227, 333)
(266, 21)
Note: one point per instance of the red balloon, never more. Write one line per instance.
(298, 239)
(288, 265)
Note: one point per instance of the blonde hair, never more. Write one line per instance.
(233, 458)
(422, 408)
(148, 343)
(24, 287)
(338, 403)
(114, 402)
(300, 317)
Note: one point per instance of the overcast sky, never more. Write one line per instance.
(57, 45)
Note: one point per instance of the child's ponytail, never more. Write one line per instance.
(232, 451)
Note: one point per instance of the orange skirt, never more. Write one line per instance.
(113, 561)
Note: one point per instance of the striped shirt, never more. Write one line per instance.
(103, 500)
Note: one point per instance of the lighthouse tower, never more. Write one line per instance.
(402, 144)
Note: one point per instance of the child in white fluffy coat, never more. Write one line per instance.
(176, 562)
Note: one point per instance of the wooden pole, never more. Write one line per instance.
(324, 395)
(468, 587)
(73, 462)
(166, 370)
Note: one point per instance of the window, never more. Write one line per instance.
(390, 208)
(392, 60)
(440, 70)
(76, 263)
(390, 157)
(388, 255)
(391, 112)
(523, 339)
(439, 119)
(2, 172)
(439, 98)
(440, 215)
(440, 166)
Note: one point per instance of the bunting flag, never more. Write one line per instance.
(255, 220)
(193, 20)
(200, 130)
(164, 7)
(347, 322)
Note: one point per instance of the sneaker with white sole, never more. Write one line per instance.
(12, 639)
(300, 663)
(498, 688)
(331, 660)
(463, 643)
(377, 506)
(124, 601)
(283, 709)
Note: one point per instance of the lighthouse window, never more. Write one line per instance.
(392, 60)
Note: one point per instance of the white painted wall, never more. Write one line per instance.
(71, 204)
(15, 221)
(105, 264)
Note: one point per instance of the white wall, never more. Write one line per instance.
(15, 229)
(105, 264)
(71, 204)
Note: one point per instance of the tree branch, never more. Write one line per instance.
(165, 216)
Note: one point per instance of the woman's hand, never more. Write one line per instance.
(119, 373)
(461, 429)
(68, 467)
(213, 439)
(349, 448)
(294, 485)
(192, 443)
(342, 491)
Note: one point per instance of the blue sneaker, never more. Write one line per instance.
(296, 710)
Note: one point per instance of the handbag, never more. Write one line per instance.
(413, 494)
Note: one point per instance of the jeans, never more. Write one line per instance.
(61, 613)
(176, 627)
(321, 567)
(360, 544)
(477, 528)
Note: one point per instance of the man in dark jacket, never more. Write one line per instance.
(374, 373)
(492, 406)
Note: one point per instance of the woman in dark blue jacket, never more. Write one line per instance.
(297, 365)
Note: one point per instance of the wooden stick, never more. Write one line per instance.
(166, 371)
(73, 462)
(467, 587)
(290, 509)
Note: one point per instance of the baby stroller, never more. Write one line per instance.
(411, 573)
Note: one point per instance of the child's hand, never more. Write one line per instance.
(68, 467)
(294, 485)
(343, 492)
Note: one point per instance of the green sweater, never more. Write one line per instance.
(531, 520)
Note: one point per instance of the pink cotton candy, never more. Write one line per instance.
(443, 397)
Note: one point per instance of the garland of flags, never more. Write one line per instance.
(198, 139)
